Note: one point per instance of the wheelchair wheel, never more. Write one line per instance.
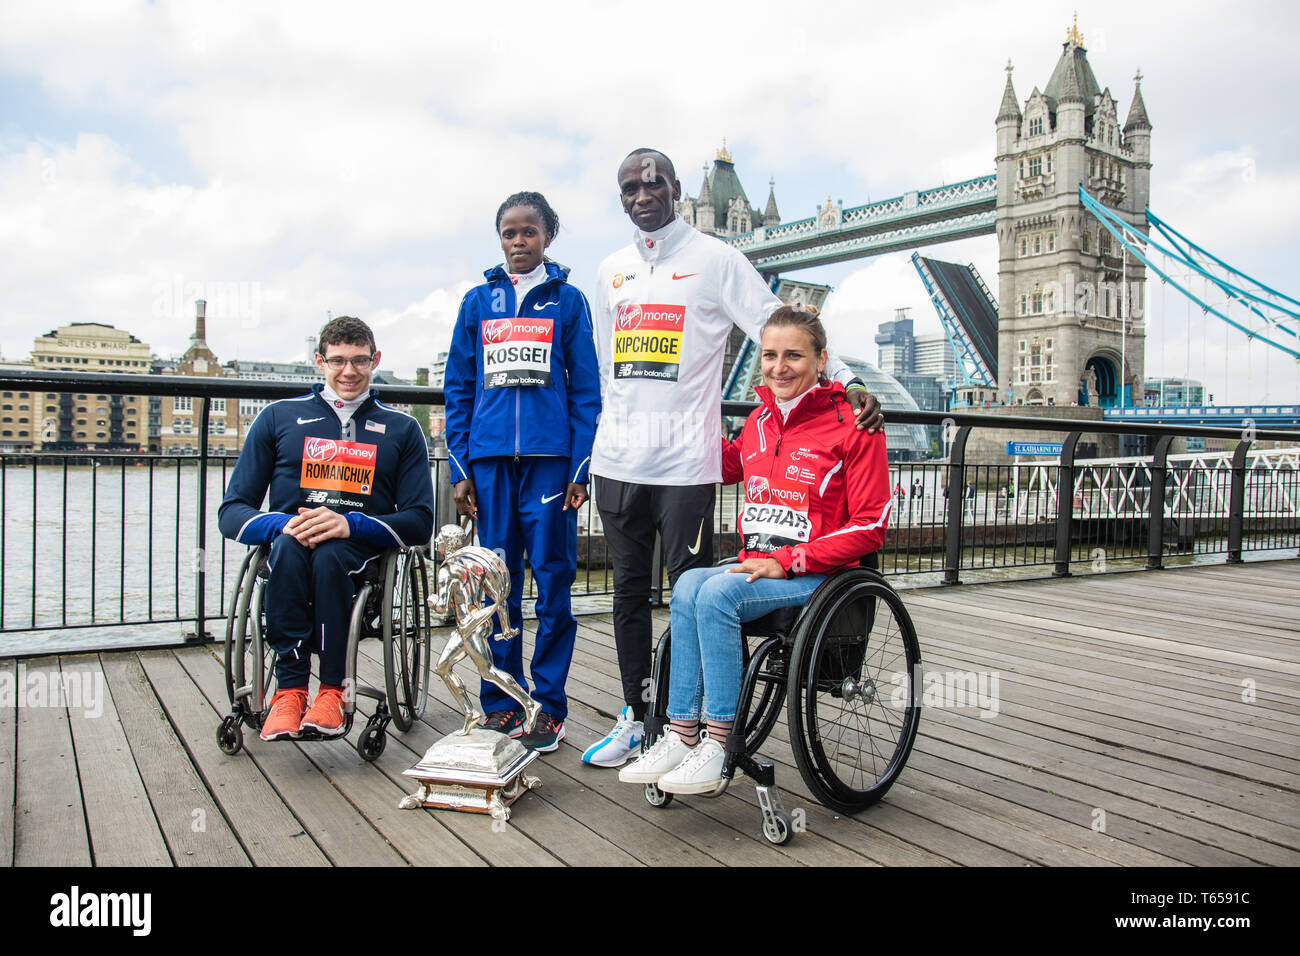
(230, 737)
(852, 707)
(372, 741)
(251, 658)
(407, 641)
(237, 617)
(779, 829)
(656, 797)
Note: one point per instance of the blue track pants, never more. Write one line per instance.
(519, 506)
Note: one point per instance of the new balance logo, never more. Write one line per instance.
(308, 421)
(315, 497)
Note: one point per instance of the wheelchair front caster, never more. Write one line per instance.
(230, 738)
(656, 797)
(372, 741)
(778, 828)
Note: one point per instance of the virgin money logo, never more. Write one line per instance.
(757, 491)
(321, 449)
(629, 317)
(497, 330)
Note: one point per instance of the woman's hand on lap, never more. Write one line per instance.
(759, 568)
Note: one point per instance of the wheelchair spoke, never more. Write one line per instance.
(856, 667)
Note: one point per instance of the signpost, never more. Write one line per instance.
(1051, 449)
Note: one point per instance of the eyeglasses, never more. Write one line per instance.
(358, 362)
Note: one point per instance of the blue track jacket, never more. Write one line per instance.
(525, 384)
(375, 470)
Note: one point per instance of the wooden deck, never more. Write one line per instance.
(1142, 719)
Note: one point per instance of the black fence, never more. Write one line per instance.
(119, 541)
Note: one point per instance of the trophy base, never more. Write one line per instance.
(480, 772)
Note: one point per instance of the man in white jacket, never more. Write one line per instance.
(662, 311)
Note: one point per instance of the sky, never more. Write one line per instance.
(290, 160)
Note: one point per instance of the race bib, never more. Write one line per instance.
(517, 352)
(337, 474)
(775, 514)
(648, 341)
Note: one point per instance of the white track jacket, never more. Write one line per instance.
(662, 311)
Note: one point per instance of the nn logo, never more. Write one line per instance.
(77, 909)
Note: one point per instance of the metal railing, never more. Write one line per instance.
(118, 542)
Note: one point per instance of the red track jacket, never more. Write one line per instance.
(816, 489)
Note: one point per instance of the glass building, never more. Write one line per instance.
(905, 442)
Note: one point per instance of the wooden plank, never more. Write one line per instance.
(1164, 687)
(123, 828)
(1150, 611)
(723, 826)
(1041, 620)
(719, 843)
(49, 822)
(345, 836)
(1146, 731)
(1217, 826)
(1243, 804)
(1092, 690)
(637, 841)
(1149, 617)
(191, 822)
(266, 829)
(1189, 840)
(1132, 830)
(8, 761)
(705, 832)
(375, 797)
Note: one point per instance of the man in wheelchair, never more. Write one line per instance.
(816, 500)
(345, 477)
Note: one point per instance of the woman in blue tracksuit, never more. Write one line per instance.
(523, 394)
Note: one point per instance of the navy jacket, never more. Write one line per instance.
(375, 471)
(526, 384)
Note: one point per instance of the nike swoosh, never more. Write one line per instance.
(546, 500)
(687, 276)
(699, 535)
(308, 421)
(539, 308)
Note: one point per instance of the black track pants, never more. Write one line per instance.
(683, 516)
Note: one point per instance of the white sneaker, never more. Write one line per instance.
(620, 743)
(667, 752)
(700, 772)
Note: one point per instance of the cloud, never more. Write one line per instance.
(338, 161)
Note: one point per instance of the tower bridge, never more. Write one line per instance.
(1065, 334)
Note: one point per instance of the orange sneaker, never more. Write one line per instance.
(285, 716)
(326, 715)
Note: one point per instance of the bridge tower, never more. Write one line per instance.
(1061, 275)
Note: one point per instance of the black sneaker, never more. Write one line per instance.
(508, 722)
(546, 736)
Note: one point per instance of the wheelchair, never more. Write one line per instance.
(846, 665)
(390, 604)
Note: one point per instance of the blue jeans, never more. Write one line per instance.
(707, 657)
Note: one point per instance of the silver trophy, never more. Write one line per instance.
(473, 769)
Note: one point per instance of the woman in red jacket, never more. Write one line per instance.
(816, 500)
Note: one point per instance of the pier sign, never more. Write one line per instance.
(1052, 448)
